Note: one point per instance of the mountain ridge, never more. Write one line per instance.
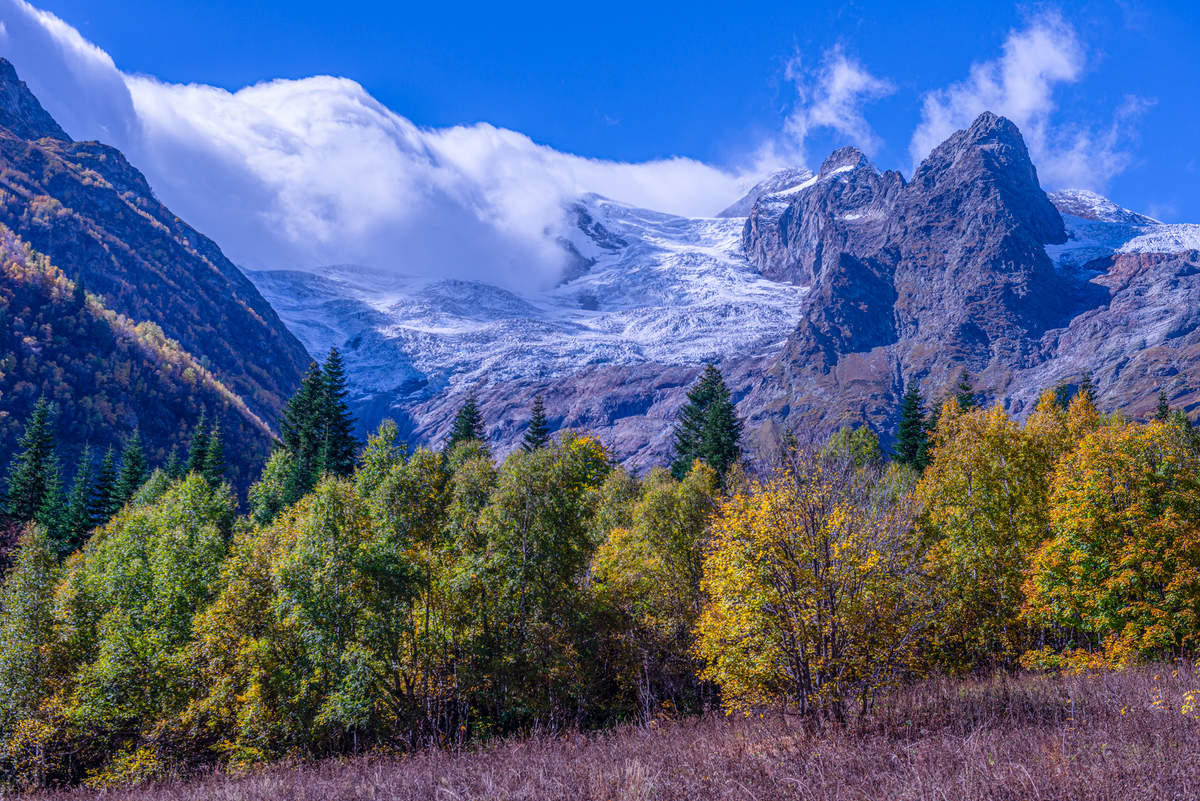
(183, 330)
(882, 281)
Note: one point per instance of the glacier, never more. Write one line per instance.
(642, 287)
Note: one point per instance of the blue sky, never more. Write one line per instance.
(635, 81)
(681, 103)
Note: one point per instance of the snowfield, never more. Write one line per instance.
(1098, 228)
(642, 287)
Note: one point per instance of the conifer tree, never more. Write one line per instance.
(537, 435)
(1087, 388)
(134, 470)
(198, 448)
(104, 503)
(913, 432)
(1063, 394)
(174, 466)
(707, 427)
(29, 472)
(50, 514)
(964, 391)
(467, 426)
(78, 518)
(214, 457)
(1164, 408)
(302, 429)
(340, 446)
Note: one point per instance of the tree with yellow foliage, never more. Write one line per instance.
(650, 571)
(815, 590)
(985, 509)
(1121, 575)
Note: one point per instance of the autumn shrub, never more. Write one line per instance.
(816, 597)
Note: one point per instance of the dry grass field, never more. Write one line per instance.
(1116, 736)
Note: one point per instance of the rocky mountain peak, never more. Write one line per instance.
(988, 164)
(20, 111)
(844, 159)
(778, 181)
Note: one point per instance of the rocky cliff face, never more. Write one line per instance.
(95, 216)
(955, 270)
(819, 295)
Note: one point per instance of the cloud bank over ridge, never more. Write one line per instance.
(305, 173)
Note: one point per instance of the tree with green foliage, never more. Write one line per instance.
(302, 430)
(1163, 410)
(198, 449)
(707, 428)
(650, 569)
(860, 445)
(134, 470)
(27, 628)
(964, 391)
(1087, 388)
(276, 489)
(537, 435)
(131, 596)
(51, 513)
(912, 436)
(340, 445)
(174, 468)
(214, 457)
(467, 425)
(103, 501)
(536, 549)
(77, 520)
(31, 470)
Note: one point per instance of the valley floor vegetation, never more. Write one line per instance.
(396, 598)
(1028, 737)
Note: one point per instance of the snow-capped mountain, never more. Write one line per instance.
(643, 288)
(820, 295)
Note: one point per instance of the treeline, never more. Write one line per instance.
(410, 596)
(36, 491)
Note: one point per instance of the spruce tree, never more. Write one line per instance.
(707, 427)
(78, 519)
(104, 502)
(1087, 388)
(198, 448)
(214, 457)
(174, 466)
(913, 432)
(1062, 395)
(29, 472)
(134, 470)
(467, 426)
(964, 391)
(1164, 408)
(340, 446)
(537, 435)
(302, 428)
(50, 514)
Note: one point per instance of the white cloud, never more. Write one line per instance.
(833, 97)
(1021, 84)
(310, 172)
